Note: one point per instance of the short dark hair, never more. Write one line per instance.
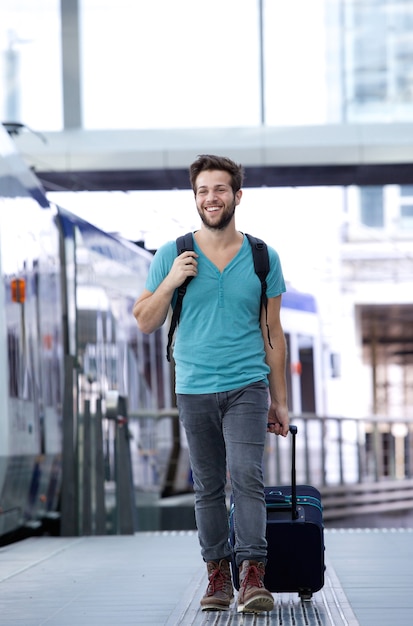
(206, 162)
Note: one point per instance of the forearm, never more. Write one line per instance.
(151, 309)
(276, 360)
(278, 419)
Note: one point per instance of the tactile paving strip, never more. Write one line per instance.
(327, 607)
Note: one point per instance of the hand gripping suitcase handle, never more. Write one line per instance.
(294, 512)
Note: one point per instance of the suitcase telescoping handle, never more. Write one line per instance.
(294, 512)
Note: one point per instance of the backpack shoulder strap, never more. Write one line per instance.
(260, 256)
(261, 267)
(183, 243)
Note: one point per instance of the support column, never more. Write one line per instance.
(72, 106)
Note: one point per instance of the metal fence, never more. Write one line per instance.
(361, 465)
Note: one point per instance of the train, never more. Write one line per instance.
(68, 337)
(66, 297)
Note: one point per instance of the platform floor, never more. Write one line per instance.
(157, 578)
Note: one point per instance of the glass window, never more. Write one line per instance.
(371, 207)
(367, 40)
(30, 63)
(406, 190)
(164, 64)
(406, 216)
(370, 87)
(295, 62)
(379, 58)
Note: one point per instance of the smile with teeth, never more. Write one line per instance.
(211, 209)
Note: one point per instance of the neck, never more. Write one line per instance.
(221, 238)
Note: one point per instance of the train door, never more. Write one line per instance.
(307, 383)
(300, 374)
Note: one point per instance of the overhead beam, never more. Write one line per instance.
(360, 154)
(267, 176)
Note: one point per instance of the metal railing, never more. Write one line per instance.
(360, 465)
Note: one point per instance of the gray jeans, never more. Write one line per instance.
(228, 429)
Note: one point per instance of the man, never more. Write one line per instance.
(226, 361)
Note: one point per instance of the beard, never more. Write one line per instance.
(226, 218)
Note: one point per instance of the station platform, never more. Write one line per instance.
(158, 578)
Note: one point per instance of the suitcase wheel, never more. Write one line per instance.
(305, 594)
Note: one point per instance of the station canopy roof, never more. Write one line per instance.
(350, 154)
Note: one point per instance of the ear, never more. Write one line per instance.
(238, 197)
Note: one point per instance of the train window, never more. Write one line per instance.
(21, 368)
(14, 364)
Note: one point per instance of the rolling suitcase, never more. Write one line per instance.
(295, 536)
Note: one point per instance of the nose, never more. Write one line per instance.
(211, 195)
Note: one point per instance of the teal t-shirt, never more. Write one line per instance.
(218, 342)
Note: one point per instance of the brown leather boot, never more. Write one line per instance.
(253, 597)
(219, 593)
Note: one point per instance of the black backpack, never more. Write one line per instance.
(185, 243)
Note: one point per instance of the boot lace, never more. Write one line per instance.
(217, 581)
(252, 578)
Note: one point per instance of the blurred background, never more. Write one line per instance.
(109, 102)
